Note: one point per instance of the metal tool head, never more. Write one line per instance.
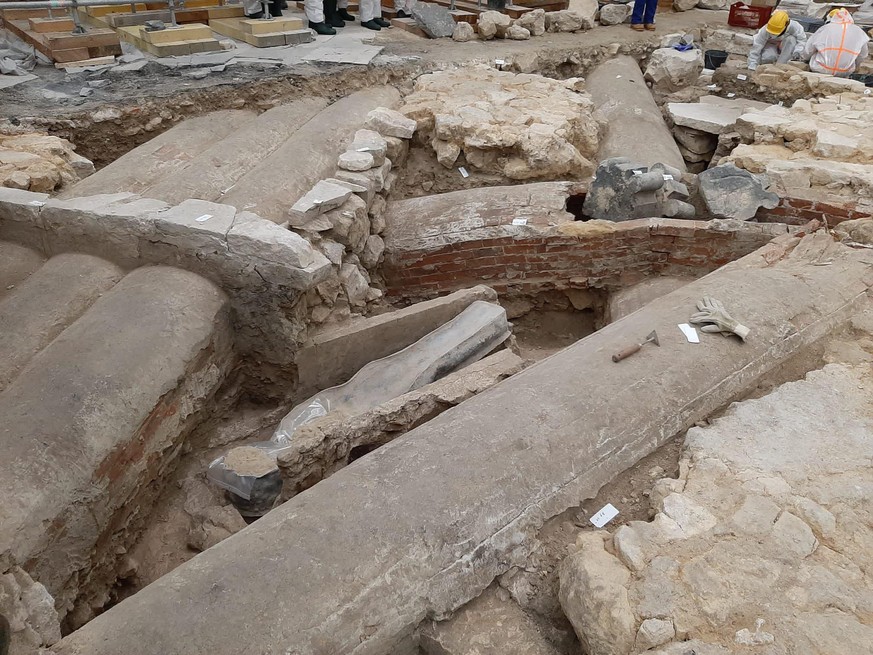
(653, 338)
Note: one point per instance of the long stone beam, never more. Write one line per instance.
(422, 525)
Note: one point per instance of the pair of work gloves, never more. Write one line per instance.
(714, 317)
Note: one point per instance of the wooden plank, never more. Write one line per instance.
(194, 32)
(94, 38)
(42, 25)
(409, 25)
(73, 54)
(19, 29)
(98, 61)
(24, 14)
(270, 26)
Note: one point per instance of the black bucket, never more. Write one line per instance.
(712, 59)
(862, 77)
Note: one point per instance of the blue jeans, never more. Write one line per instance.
(644, 12)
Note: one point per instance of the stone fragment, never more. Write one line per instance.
(447, 152)
(355, 284)
(684, 5)
(323, 197)
(670, 70)
(356, 161)
(517, 33)
(567, 21)
(716, 5)
(397, 149)
(371, 142)
(629, 548)
(696, 141)
(794, 536)
(614, 14)
(654, 632)
(388, 122)
(533, 21)
(702, 116)
(831, 145)
(371, 255)
(691, 517)
(463, 32)
(594, 596)
(587, 9)
(435, 20)
(349, 224)
(756, 515)
(730, 192)
(493, 23)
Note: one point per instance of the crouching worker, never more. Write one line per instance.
(778, 42)
(838, 46)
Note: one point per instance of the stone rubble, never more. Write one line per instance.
(341, 216)
(614, 14)
(493, 24)
(763, 544)
(30, 611)
(40, 163)
(671, 70)
(818, 149)
(463, 32)
(520, 126)
(435, 20)
(533, 21)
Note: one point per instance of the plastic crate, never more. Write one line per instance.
(742, 15)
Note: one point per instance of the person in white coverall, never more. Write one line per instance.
(779, 41)
(838, 46)
(325, 15)
(404, 8)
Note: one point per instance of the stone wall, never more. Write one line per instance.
(520, 261)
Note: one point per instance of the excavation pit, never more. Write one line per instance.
(573, 288)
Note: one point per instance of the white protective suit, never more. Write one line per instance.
(837, 46)
(314, 10)
(369, 9)
(769, 49)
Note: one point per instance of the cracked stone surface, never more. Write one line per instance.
(521, 126)
(40, 163)
(819, 148)
(763, 545)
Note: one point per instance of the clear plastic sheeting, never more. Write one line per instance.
(467, 338)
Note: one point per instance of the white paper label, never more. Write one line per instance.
(742, 78)
(463, 171)
(867, 92)
(36, 203)
(711, 86)
(204, 218)
(689, 332)
(667, 178)
(604, 516)
(731, 95)
(499, 62)
(519, 221)
(636, 172)
(781, 103)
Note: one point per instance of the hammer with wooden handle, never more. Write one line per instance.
(630, 350)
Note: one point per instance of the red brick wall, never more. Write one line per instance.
(800, 211)
(534, 261)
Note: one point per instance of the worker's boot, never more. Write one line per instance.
(371, 25)
(330, 15)
(650, 27)
(636, 27)
(345, 15)
(322, 28)
(381, 22)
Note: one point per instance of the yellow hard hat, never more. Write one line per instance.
(778, 22)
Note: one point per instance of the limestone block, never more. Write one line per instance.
(594, 596)
(397, 149)
(654, 632)
(492, 23)
(355, 284)
(670, 70)
(691, 518)
(628, 545)
(711, 119)
(356, 161)
(685, 5)
(715, 5)
(350, 224)
(793, 536)
(363, 187)
(323, 197)
(831, 145)
(388, 122)
(696, 141)
(371, 255)
(463, 32)
(533, 21)
(517, 33)
(587, 9)
(30, 611)
(371, 142)
(567, 21)
(614, 14)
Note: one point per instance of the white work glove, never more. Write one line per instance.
(713, 313)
